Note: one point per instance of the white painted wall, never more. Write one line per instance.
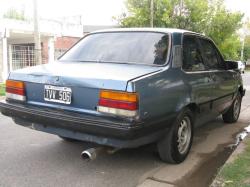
(51, 50)
(1, 61)
(5, 70)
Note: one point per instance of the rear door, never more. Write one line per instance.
(223, 79)
(197, 76)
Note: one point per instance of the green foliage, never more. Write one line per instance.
(247, 48)
(2, 89)
(14, 14)
(209, 17)
(230, 47)
(247, 43)
(237, 172)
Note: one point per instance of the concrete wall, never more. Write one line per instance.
(1, 61)
(45, 52)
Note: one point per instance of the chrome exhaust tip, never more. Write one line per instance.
(93, 153)
(89, 154)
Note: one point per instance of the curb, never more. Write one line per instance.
(217, 182)
(2, 98)
(151, 183)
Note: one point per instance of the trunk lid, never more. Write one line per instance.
(91, 75)
(84, 79)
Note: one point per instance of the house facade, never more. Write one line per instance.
(17, 48)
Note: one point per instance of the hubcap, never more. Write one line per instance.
(184, 135)
(236, 107)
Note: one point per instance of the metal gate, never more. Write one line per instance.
(22, 55)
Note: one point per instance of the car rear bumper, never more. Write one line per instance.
(113, 132)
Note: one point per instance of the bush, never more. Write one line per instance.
(2, 89)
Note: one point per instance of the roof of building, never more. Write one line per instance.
(92, 28)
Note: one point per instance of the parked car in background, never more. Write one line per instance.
(128, 87)
(241, 66)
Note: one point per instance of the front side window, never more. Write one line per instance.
(210, 55)
(121, 47)
(192, 60)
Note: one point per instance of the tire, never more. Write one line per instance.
(233, 113)
(169, 149)
(68, 139)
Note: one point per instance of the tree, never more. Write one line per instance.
(246, 37)
(14, 14)
(247, 49)
(209, 17)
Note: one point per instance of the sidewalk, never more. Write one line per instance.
(207, 156)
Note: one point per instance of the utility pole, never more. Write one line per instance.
(244, 33)
(37, 39)
(181, 6)
(242, 49)
(151, 13)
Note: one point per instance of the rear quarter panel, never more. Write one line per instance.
(161, 95)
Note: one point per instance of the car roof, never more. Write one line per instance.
(165, 30)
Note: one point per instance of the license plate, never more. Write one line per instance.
(57, 94)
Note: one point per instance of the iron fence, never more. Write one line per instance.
(22, 56)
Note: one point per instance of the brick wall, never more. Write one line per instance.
(65, 42)
(62, 44)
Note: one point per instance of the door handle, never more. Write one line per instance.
(213, 77)
(209, 79)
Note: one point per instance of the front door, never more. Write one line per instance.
(223, 80)
(197, 77)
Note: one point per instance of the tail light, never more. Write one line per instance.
(118, 103)
(15, 90)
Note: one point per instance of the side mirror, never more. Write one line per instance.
(231, 65)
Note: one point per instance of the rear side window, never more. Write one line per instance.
(192, 59)
(121, 47)
(210, 55)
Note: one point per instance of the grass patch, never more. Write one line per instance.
(2, 89)
(237, 174)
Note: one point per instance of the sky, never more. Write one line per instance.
(94, 12)
(239, 5)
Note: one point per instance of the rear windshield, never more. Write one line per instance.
(121, 47)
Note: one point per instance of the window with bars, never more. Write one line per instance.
(22, 55)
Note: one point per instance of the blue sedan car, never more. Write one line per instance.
(124, 88)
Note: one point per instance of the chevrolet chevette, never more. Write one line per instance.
(124, 88)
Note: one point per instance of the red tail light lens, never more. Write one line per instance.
(15, 90)
(119, 103)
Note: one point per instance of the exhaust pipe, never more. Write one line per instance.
(93, 153)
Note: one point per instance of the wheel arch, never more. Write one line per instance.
(193, 107)
(241, 90)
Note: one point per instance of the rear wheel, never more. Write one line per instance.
(232, 115)
(176, 144)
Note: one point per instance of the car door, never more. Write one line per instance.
(223, 79)
(197, 77)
